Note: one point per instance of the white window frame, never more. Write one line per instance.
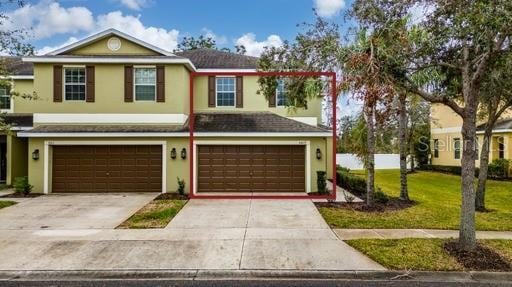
(216, 92)
(277, 95)
(64, 84)
(457, 151)
(135, 83)
(11, 102)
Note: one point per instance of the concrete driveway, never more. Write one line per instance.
(73, 211)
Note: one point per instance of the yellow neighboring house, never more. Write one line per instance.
(113, 114)
(446, 138)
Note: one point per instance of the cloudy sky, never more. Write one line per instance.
(254, 24)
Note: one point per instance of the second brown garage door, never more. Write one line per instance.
(102, 168)
(251, 168)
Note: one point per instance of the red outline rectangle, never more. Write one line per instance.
(191, 194)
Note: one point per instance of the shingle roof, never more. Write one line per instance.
(15, 66)
(108, 129)
(499, 125)
(260, 122)
(19, 120)
(214, 59)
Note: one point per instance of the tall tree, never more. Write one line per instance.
(402, 138)
(496, 99)
(191, 43)
(460, 41)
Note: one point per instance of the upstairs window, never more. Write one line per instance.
(501, 148)
(280, 94)
(145, 84)
(456, 147)
(74, 84)
(436, 148)
(5, 98)
(225, 91)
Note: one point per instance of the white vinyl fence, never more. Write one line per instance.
(382, 161)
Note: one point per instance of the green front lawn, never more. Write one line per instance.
(438, 204)
(156, 214)
(420, 254)
(6, 203)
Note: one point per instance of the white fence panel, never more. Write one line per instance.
(382, 161)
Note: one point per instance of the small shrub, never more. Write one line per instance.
(181, 186)
(343, 169)
(380, 196)
(498, 169)
(456, 170)
(320, 182)
(21, 185)
(352, 183)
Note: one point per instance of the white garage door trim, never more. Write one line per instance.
(307, 144)
(47, 144)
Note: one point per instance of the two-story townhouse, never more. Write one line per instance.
(446, 138)
(112, 114)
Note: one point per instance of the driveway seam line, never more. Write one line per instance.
(245, 234)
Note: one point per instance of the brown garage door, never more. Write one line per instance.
(101, 168)
(251, 168)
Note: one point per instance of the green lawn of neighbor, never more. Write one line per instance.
(438, 200)
(156, 214)
(420, 254)
(6, 203)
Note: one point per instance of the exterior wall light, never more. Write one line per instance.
(35, 154)
(318, 154)
(173, 153)
(183, 153)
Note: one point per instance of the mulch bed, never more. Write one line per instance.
(21, 195)
(318, 194)
(171, 195)
(480, 259)
(394, 204)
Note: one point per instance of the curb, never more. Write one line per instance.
(194, 274)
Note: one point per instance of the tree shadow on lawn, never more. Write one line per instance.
(393, 204)
(481, 259)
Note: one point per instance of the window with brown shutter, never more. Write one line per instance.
(57, 83)
(128, 83)
(239, 92)
(160, 84)
(89, 78)
(211, 91)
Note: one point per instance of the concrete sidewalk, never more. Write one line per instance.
(206, 235)
(348, 234)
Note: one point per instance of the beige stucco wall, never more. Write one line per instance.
(252, 101)
(109, 93)
(178, 167)
(17, 158)
(100, 48)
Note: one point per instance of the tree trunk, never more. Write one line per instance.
(484, 168)
(467, 234)
(412, 152)
(402, 127)
(370, 156)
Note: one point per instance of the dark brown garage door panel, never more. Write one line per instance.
(102, 168)
(251, 168)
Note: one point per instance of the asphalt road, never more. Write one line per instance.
(238, 283)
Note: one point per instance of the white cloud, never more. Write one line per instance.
(255, 48)
(48, 49)
(419, 12)
(134, 4)
(160, 37)
(328, 8)
(48, 18)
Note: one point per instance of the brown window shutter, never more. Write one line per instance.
(57, 83)
(89, 85)
(160, 84)
(272, 100)
(239, 92)
(211, 91)
(128, 83)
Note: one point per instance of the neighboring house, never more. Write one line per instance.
(112, 115)
(446, 143)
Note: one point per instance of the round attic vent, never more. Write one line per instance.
(114, 44)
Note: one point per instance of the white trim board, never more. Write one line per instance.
(104, 34)
(47, 144)
(312, 121)
(29, 134)
(110, 118)
(305, 143)
(495, 131)
(445, 130)
(226, 70)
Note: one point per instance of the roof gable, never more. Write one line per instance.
(98, 44)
